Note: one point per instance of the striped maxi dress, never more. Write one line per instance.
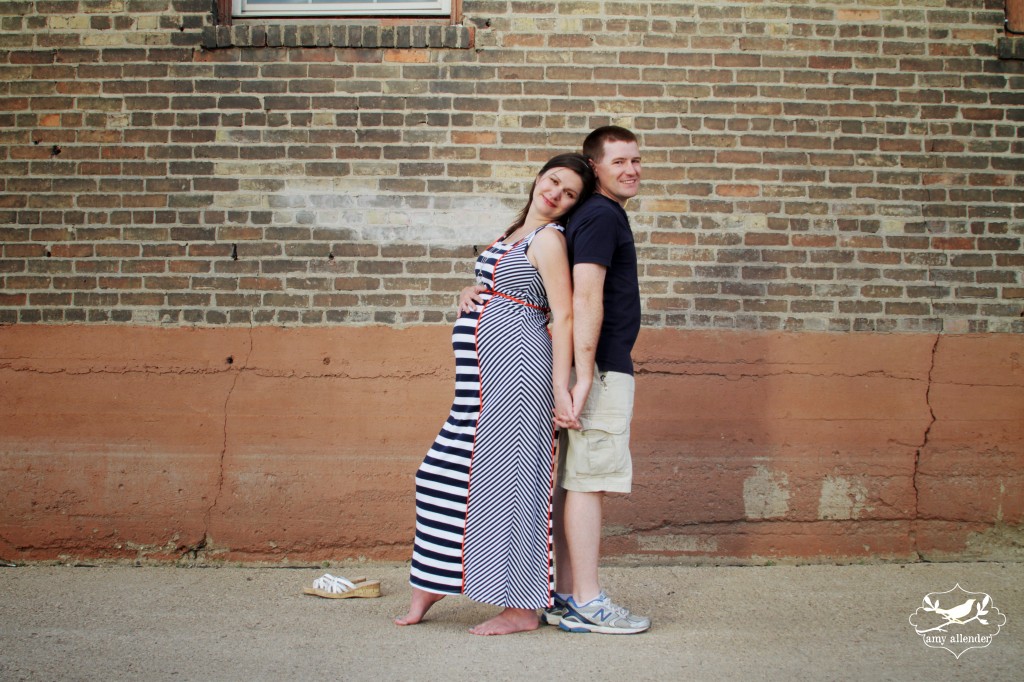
(483, 492)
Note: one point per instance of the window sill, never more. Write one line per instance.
(339, 36)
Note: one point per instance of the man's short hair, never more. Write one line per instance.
(593, 146)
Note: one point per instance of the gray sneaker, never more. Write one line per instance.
(553, 615)
(601, 615)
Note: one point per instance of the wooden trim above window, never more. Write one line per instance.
(1015, 16)
(223, 9)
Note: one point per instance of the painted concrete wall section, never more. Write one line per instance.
(296, 445)
(228, 257)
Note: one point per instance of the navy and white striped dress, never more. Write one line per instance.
(483, 492)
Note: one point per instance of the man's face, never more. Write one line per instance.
(618, 171)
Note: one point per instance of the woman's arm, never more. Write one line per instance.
(549, 255)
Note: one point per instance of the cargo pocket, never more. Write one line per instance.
(607, 446)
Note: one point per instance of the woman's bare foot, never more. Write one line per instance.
(421, 603)
(507, 622)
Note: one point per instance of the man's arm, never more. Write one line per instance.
(588, 313)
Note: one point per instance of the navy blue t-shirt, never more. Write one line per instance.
(599, 232)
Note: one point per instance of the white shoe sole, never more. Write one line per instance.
(576, 626)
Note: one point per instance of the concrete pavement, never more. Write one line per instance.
(117, 622)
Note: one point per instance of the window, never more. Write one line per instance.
(340, 8)
(366, 24)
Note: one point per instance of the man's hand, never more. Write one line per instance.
(579, 393)
(469, 298)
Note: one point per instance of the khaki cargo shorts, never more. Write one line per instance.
(597, 459)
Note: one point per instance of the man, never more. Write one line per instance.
(595, 456)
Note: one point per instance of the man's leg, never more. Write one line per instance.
(590, 609)
(597, 461)
(582, 526)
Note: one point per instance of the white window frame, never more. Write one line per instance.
(336, 8)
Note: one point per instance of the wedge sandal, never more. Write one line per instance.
(335, 587)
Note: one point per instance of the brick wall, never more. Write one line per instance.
(230, 253)
(808, 166)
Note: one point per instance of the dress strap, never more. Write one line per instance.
(529, 238)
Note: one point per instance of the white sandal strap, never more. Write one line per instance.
(333, 584)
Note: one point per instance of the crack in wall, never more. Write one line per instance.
(743, 375)
(194, 551)
(291, 374)
(145, 369)
(5, 542)
(924, 443)
(186, 371)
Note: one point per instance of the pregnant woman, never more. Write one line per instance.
(483, 492)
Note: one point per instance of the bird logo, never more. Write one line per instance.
(954, 614)
(971, 622)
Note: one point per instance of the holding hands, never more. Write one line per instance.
(569, 405)
(565, 416)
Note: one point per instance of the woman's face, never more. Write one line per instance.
(556, 192)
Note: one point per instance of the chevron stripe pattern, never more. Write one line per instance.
(483, 492)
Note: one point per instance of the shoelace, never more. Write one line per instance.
(615, 609)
